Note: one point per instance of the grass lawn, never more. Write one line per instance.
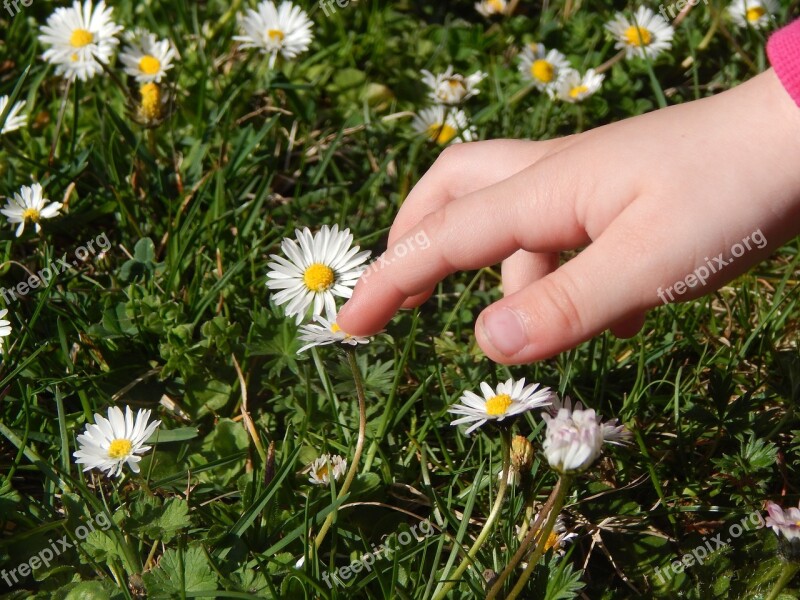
(174, 196)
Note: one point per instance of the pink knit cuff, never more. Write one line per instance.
(783, 49)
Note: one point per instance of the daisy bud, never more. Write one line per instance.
(521, 453)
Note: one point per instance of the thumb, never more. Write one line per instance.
(601, 288)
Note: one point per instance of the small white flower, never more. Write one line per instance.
(146, 57)
(574, 88)
(452, 88)
(285, 30)
(559, 536)
(81, 40)
(489, 8)
(5, 328)
(321, 469)
(444, 125)
(327, 332)
(14, 120)
(545, 68)
(29, 205)
(319, 267)
(753, 13)
(784, 522)
(109, 444)
(647, 35)
(509, 399)
(574, 437)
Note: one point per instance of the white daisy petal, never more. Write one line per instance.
(646, 35)
(112, 442)
(284, 31)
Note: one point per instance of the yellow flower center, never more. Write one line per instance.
(322, 472)
(149, 65)
(578, 90)
(150, 107)
(552, 541)
(31, 214)
(638, 36)
(80, 38)
(335, 328)
(275, 35)
(318, 277)
(498, 405)
(755, 13)
(496, 5)
(119, 449)
(73, 57)
(542, 70)
(441, 134)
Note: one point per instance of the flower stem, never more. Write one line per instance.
(488, 525)
(362, 434)
(789, 570)
(529, 539)
(555, 510)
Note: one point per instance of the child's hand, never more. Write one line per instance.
(654, 198)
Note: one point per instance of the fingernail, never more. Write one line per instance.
(505, 331)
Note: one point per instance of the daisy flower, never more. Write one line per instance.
(558, 538)
(647, 35)
(444, 125)
(544, 68)
(327, 332)
(29, 205)
(574, 88)
(285, 30)
(786, 523)
(321, 469)
(752, 13)
(81, 40)
(5, 328)
(14, 120)
(490, 8)
(109, 444)
(452, 88)
(575, 437)
(509, 399)
(146, 57)
(319, 267)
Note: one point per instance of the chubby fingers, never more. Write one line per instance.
(531, 210)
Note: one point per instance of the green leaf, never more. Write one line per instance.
(180, 572)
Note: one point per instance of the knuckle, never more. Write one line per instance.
(560, 294)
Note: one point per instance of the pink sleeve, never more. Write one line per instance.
(783, 49)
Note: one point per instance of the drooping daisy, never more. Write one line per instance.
(752, 13)
(327, 332)
(319, 267)
(14, 120)
(647, 35)
(320, 471)
(110, 443)
(285, 30)
(28, 204)
(150, 109)
(81, 40)
(146, 57)
(574, 88)
(509, 399)
(443, 125)
(452, 88)
(5, 328)
(490, 8)
(575, 436)
(786, 523)
(544, 68)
